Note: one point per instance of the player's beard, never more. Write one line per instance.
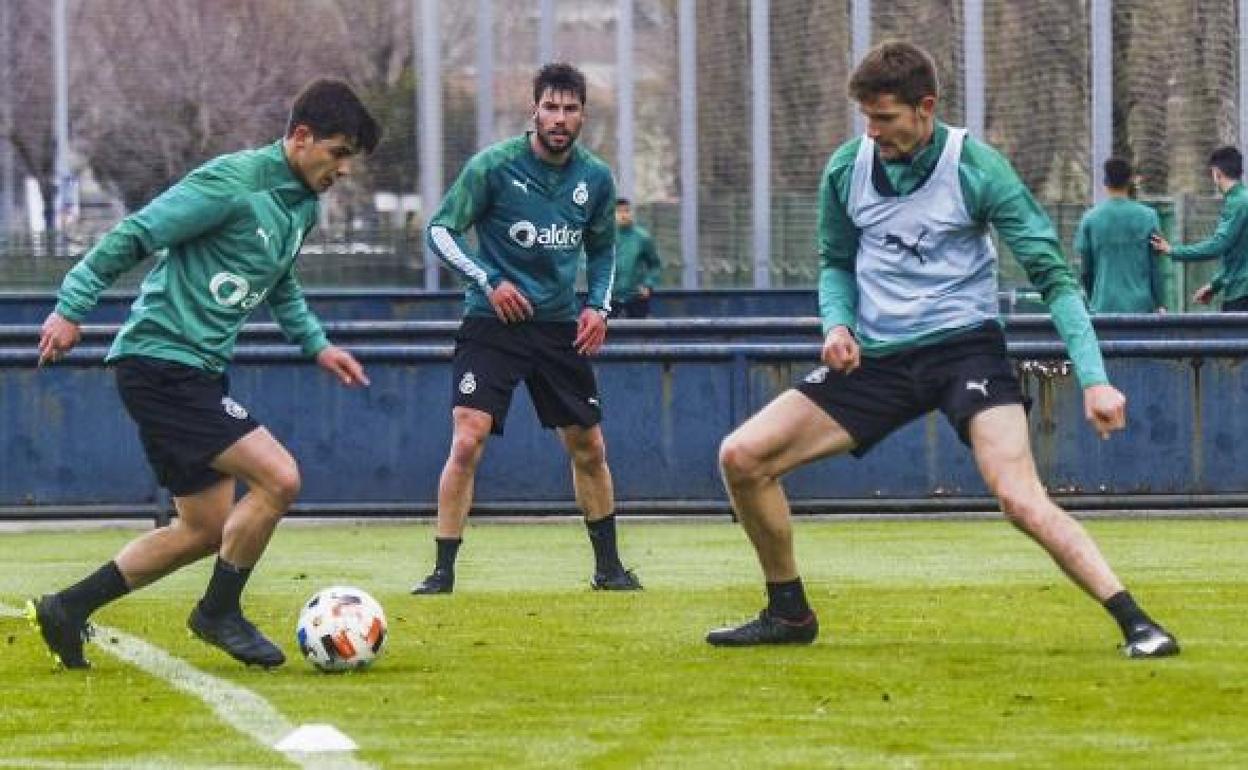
(544, 140)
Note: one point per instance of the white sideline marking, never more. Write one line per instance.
(240, 708)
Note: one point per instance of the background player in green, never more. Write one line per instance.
(636, 265)
(534, 201)
(908, 296)
(1120, 271)
(225, 240)
(1229, 242)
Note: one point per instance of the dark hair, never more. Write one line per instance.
(623, 202)
(893, 67)
(559, 77)
(1228, 160)
(329, 106)
(1118, 173)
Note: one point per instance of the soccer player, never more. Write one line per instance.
(636, 265)
(1229, 242)
(225, 239)
(1120, 272)
(908, 298)
(535, 201)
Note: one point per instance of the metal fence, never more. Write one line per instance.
(717, 115)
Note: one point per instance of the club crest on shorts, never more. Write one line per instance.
(468, 384)
(817, 375)
(580, 196)
(979, 385)
(233, 408)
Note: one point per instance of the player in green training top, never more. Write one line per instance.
(636, 265)
(908, 296)
(225, 239)
(1229, 242)
(536, 202)
(1120, 272)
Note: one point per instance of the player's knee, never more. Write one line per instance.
(1023, 505)
(205, 542)
(199, 540)
(466, 449)
(282, 485)
(737, 463)
(590, 452)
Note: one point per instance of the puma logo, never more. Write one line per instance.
(263, 236)
(896, 242)
(522, 185)
(981, 386)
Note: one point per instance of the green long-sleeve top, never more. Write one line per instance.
(532, 220)
(636, 262)
(994, 195)
(226, 238)
(1229, 243)
(1121, 273)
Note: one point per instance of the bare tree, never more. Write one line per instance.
(166, 85)
(30, 79)
(810, 108)
(1203, 112)
(1038, 93)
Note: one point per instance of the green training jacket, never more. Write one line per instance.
(1229, 243)
(636, 262)
(1121, 272)
(532, 220)
(995, 196)
(225, 238)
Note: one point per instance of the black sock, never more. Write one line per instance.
(602, 538)
(448, 549)
(224, 589)
(787, 601)
(1124, 609)
(94, 591)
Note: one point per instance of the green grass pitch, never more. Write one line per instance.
(944, 645)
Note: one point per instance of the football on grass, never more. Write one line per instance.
(341, 628)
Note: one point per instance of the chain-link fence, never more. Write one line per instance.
(156, 87)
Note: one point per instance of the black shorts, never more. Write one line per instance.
(186, 418)
(960, 376)
(492, 357)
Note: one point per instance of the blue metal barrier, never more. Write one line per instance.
(420, 305)
(69, 449)
(1020, 328)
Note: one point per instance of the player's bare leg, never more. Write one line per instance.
(471, 430)
(595, 496)
(272, 479)
(787, 433)
(1002, 450)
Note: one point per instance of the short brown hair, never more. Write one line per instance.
(894, 67)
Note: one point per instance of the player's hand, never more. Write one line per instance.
(1203, 295)
(643, 292)
(841, 351)
(509, 304)
(591, 332)
(342, 365)
(1159, 243)
(59, 335)
(1106, 408)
